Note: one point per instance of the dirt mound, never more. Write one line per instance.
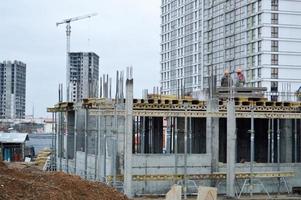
(17, 184)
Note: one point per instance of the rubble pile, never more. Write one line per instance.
(30, 184)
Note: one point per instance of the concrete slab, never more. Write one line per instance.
(207, 193)
(175, 193)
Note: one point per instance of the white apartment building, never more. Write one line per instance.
(262, 37)
(84, 75)
(181, 46)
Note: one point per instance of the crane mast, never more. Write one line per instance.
(68, 36)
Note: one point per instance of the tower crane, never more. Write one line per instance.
(68, 35)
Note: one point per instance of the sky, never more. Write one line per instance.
(124, 33)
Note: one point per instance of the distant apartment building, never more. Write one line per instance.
(84, 75)
(263, 38)
(12, 90)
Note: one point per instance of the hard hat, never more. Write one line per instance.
(238, 70)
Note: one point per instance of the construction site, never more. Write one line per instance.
(236, 140)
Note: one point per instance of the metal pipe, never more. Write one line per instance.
(168, 135)
(61, 139)
(176, 146)
(105, 150)
(269, 140)
(55, 139)
(252, 132)
(278, 152)
(295, 141)
(115, 143)
(143, 135)
(185, 157)
(190, 135)
(67, 143)
(273, 143)
(86, 142)
(96, 152)
(52, 142)
(99, 145)
(75, 140)
(114, 160)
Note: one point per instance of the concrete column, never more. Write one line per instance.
(75, 139)
(231, 148)
(86, 141)
(286, 141)
(66, 142)
(128, 136)
(212, 130)
(168, 135)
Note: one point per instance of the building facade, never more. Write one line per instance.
(12, 90)
(84, 75)
(260, 37)
(181, 46)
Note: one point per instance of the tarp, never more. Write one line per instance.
(13, 137)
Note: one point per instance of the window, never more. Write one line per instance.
(274, 73)
(274, 4)
(259, 19)
(259, 73)
(274, 18)
(274, 46)
(274, 59)
(259, 5)
(259, 46)
(259, 33)
(274, 86)
(259, 59)
(274, 32)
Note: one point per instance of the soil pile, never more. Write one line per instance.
(32, 184)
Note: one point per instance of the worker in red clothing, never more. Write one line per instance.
(240, 78)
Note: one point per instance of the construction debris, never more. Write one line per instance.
(30, 183)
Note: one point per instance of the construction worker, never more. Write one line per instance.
(240, 78)
(226, 79)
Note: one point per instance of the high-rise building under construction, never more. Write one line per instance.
(203, 36)
(84, 75)
(12, 90)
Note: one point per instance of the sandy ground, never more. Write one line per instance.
(21, 182)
